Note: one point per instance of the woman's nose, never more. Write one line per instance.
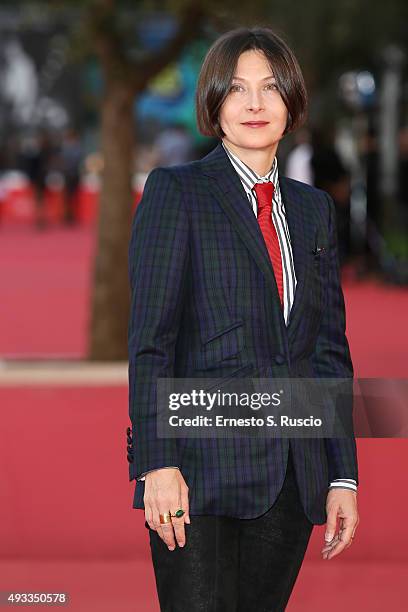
(254, 101)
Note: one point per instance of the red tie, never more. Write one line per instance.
(264, 193)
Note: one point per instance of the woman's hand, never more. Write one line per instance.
(166, 491)
(343, 504)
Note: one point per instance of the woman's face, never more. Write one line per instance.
(253, 96)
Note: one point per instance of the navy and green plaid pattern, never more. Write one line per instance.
(249, 178)
(205, 304)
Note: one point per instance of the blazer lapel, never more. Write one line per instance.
(226, 186)
(230, 193)
(300, 226)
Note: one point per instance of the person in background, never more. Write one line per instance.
(174, 145)
(70, 165)
(330, 174)
(298, 161)
(38, 158)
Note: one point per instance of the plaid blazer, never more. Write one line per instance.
(205, 304)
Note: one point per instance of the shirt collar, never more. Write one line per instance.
(248, 176)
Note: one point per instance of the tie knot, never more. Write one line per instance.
(264, 194)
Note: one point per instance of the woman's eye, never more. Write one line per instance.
(237, 87)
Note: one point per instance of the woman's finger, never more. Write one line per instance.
(149, 518)
(185, 505)
(165, 530)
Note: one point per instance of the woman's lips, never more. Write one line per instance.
(256, 124)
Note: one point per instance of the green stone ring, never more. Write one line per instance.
(178, 513)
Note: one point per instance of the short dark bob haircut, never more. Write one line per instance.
(214, 80)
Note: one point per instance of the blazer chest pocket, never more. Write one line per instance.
(223, 347)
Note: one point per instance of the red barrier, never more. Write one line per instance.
(18, 205)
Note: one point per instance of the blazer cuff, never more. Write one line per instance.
(142, 476)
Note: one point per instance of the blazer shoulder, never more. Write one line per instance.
(319, 197)
(179, 172)
(304, 187)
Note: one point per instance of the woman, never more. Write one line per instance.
(234, 273)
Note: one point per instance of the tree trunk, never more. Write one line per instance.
(110, 299)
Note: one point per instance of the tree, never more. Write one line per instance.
(125, 78)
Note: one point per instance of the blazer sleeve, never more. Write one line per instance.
(158, 261)
(331, 359)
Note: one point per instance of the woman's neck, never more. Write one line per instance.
(259, 160)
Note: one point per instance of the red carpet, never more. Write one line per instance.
(66, 518)
(128, 586)
(45, 279)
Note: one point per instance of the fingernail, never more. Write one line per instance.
(181, 545)
(172, 547)
(328, 537)
(188, 520)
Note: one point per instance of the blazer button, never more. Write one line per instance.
(279, 359)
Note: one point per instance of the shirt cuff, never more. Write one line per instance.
(142, 476)
(344, 483)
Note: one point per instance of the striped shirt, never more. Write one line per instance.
(248, 179)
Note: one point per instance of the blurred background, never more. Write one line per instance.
(93, 95)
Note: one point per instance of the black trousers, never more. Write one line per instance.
(235, 565)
